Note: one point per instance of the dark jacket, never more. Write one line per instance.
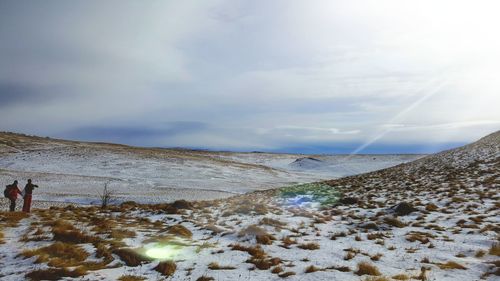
(28, 189)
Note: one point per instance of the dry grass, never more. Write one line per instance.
(180, 230)
(431, 207)
(309, 246)
(495, 249)
(286, 274)
(451, 265)
(480, 253)
(376, 278)
(63, 231)
(12, 219)
(311, 269)
(277, 269)
(393, 221)
(255, 251)
(131, 278)
(349, 256)
(260, 234)
(121, 234)
(131, 257)
(54, 274)
(365, 268)
(401, 277)
(205, 278)
(166, 268)
(216, 266)
(58, 254)
(418, 236)
(272, 222)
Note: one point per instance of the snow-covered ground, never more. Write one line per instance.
(76, 172)
(446, 227)
(436, 218)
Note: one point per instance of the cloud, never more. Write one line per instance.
(258, 75)
(12, 94)
(136, 135)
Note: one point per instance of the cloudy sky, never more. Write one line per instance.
(302, 76)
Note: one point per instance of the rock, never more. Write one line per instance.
(348, 201)
(403, 209)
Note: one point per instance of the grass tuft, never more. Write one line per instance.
(365, 268)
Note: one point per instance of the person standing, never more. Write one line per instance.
(28, 193)
(13, 191)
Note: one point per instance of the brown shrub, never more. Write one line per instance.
(166, 268)
(365, 268)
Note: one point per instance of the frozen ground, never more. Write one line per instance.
(76, 172)
(446, 228)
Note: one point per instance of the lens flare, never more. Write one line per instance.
(167, 252)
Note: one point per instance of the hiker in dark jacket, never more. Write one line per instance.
(28, 193)
(13, 192)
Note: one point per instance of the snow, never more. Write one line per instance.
(76, 172)
(462, 183)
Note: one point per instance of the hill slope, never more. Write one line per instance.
(77, 171)
(444, 227)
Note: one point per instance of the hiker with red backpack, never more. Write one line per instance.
(11, 192)
(28, 193)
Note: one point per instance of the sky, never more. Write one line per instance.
(285, 76)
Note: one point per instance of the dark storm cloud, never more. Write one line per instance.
(16, 94)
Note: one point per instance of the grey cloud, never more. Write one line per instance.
(136, 135)
(12, 94)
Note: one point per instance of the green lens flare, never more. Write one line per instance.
(163, 252)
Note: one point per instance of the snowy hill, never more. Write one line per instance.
(436, 218)
(76, 171)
